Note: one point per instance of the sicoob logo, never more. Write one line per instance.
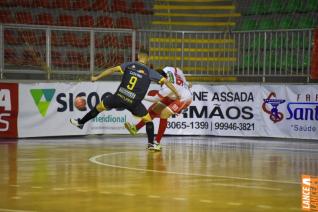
(42, 99)
(275, 115)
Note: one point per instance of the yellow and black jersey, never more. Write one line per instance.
(135, 82)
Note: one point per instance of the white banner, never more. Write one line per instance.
(287, 111)
(45, 109)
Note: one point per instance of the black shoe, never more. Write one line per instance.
(75, 123)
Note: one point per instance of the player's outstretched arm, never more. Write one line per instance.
(172, 88)
(152, 96)
(106, 73)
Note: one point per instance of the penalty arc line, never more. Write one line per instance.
(94, 159)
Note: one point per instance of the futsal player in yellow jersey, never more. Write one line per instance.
(136, 79)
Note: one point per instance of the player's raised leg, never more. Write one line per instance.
(80, 122)
(154, 111)
(165, 114)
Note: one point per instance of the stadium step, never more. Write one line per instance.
(199, 59)
(191, 40)
(192, 23)
(201, 15)
(220, 15)
(195, 55)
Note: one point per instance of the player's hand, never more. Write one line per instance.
(190, 85)
(93, 79)
(178, 96)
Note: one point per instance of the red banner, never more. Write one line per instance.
(314, 58)
(9, 105)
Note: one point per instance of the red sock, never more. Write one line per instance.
(162, 129)
(141, 123)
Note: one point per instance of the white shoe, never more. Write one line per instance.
(75, 123)
(154, 147)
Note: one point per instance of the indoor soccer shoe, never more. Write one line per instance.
(154, 147)
(75, 123)
(131, 128)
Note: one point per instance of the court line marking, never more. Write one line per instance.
(29, 159)
(105, 192)
(247, 186)
(16, 197)
(153, 196)
(37, 187)
(180, 198)
(58, 189)
(234, 203)
(129, 194)
(206, 201)
(94, 159)
(283, 148)
(12, 210)
(264, 206)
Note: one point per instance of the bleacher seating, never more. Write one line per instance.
(277, 14)
(6, 16)
(62, 4)
(108, 41)
(119, 6)
(138, 6)
(85, 21)
(10, 37)
(99, 59)
(41, 38)
(57, 59)
(100, 5)
(104, 22)
(28, 37)
(41, 3)
(31, 57)
(10, 56)
(83, 41)
(124, 22)
(127, 41)
(24, 18)
(130, 14)
(65, 20)
(310, 6)
(81, 5)
(77, 59)
(55, 39)
(137, 13)
(22, 3)
(70, 39)
(44, 19)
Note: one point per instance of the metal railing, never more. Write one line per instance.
(244, 55)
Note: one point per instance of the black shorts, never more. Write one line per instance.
(112, 101)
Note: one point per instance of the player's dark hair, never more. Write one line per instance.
(143, 51)
(161, 72)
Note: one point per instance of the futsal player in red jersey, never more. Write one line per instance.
(135, 82)
(165, 102)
